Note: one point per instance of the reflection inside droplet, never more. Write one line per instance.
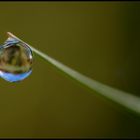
(15, 60)
(14, 77)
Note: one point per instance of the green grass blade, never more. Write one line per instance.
(122, 98)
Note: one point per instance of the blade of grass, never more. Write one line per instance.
(126, 100)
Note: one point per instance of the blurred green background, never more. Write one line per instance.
(98, 39)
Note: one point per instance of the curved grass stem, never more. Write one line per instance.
(126, 100)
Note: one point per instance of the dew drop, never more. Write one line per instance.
(16, 60)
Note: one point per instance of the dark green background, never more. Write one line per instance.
(98, 39)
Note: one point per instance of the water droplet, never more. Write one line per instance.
(16, 60)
